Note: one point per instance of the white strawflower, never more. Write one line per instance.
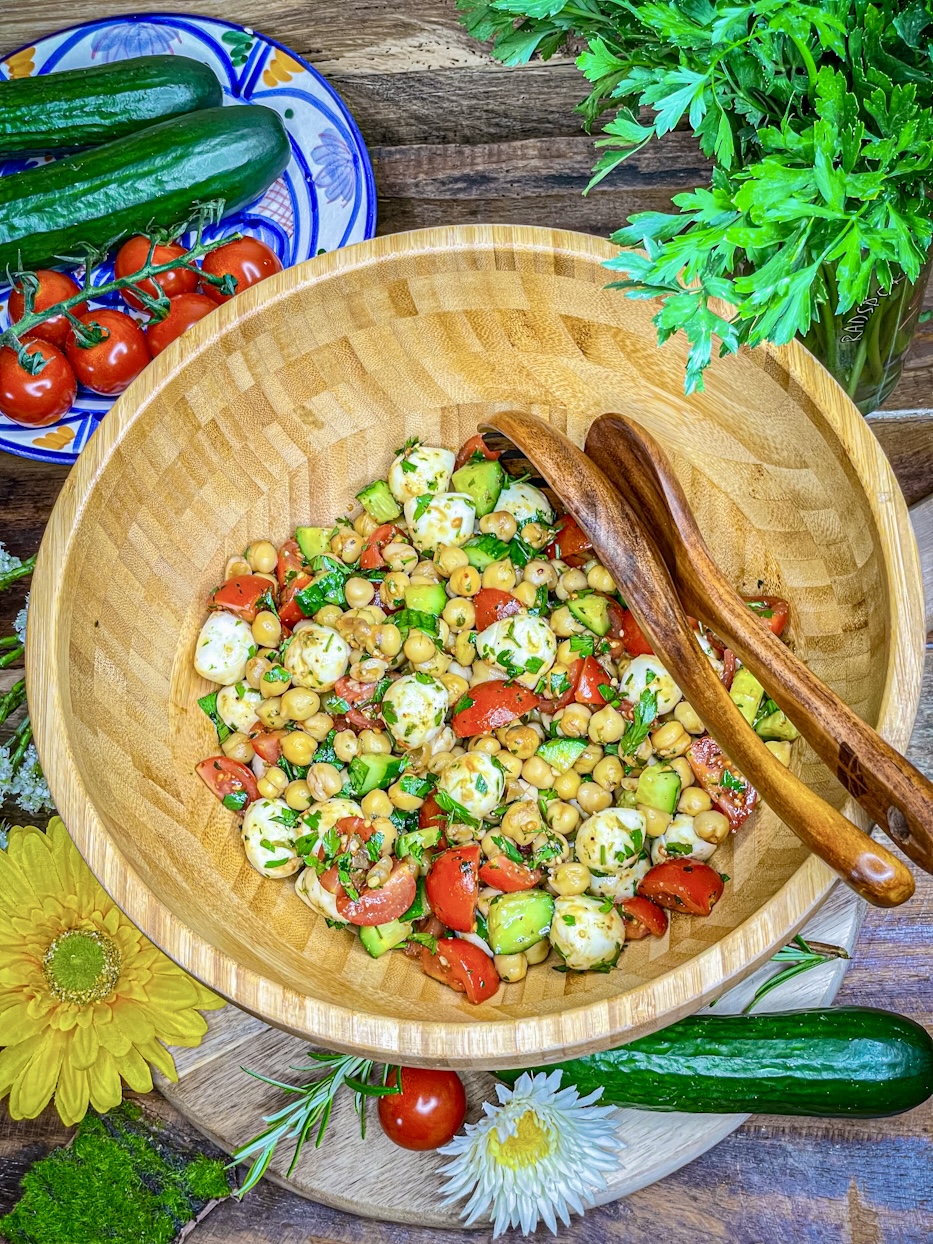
(19, 623)
(542, 1153)
(8, 561)
(28, 787)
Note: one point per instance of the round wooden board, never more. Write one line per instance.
(374, 1178)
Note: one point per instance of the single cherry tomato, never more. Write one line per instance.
(290, 563)
(492, 704)
(504, 874)
(290, 611)
(431, 815)
(571, 543)
(772, 609)
(247, 259)
(452, 887)
(53, 287)
(475, 445)
(492, 605)
(241, 595)
(358, 695)
(683, 885)
(184, 310)
(729, 790)
(113, 364)
(589, 678)
(642, 918)
(267, 744)
(633, 637)
(729, 665)
(463, 967)
(371, 558)
(427, 1113)
(39, 400)
(134, 254)
(228, 777)
(381, 905)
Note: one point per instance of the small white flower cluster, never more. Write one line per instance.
(19, 623)
(8, 561)
(26, 787)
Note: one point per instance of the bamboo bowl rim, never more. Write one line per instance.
(578, 1029)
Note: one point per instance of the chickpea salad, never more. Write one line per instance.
(440, 719)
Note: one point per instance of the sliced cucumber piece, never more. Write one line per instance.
(519, 920)
(562, 754)
(313, 541)
(659, 787)
(777, 725)
(592, 611)
(483, 482)
(426, 598)
(420, 907)
(381, 938)
(483, 550)
(378, 502)
(372, 772)
(746, 692)
(417, 841)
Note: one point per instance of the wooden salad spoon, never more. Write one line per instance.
(895, 794)
(627, 550)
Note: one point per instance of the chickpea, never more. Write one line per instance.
(402, 800)
(540, 573)
(592, 798)
(376, 803)
(688, 717)
(671, 739)
(456, 687)
(484, 672)
(656, 821)
(711, 827)
(327, 615)
(589, 758)
(270, 713)
(348, 546)
(346, 746)
(298, 795)
(275, 781)
(500, 575)
(565, 652)
(681, 765)
(437, 665)
(485, 743)
(511, 968)
(255, 668)
(298, 748)
(525, 593)
(522, 821)
(267, 629)
(464, 649)
(459, 614)
(359, 592)
(374, 743)
(535, 535)
(364, 525)
(694, 801)
(439, 762)
(607, 726)
(574, 721)
(609, 773)
(262, 557)
(489, 847)
(780, 748)
(318, 725)
(419, 647)
(400, 556)
(236, 566)
(538, 952)
(570, 581)
(238, 747)
(392, 591)
(388, 639)
(448, 558)
(499, 523)
(300, 703)
(564, 624)
(562, 817)
(324, 781)
(522, 741)
(275, 682)
(465, 581)
(600, 580)
(538, 772)
(382, 825)
(570, 879)
(567, 784)
(372, 669)
(486, 895)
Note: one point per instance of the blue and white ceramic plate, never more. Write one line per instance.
(325, 199)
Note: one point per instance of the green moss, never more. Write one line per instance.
(120, 1182)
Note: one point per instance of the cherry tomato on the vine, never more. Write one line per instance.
(184, 310)
(133, 255)
(427, 1113)
(41, 399)
(248, 260)
(114, 363)
(53, 287)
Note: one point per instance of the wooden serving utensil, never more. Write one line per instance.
(894, 793)
(636, 564)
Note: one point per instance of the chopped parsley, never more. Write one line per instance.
(463, 703)
(389, 715)
(419, 787)
(208, 704)
(508, 848)
(424, 939)
(456, 811)
(729, 781)
(645, 711)
(584, 644)
(236, 801)
(422, 504)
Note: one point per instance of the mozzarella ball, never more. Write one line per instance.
(447, 519)
(618, 886)
(309, 889)
(268, 833)
(414, 708)
(316, 657)
(521, 642)
(647, 673)
(236, 706)
(679, 841)
(223, 648)
(526, 504)
(584, 934)
(475, 781)
(612, 840)
(419, 470)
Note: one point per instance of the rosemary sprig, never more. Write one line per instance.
(800, 956)
(298, 1119)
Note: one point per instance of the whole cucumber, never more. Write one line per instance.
(153, 177)
(850, 1061)
(85, 107)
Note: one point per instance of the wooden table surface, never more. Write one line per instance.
(455, 138)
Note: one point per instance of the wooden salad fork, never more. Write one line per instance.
(894, 793)
(633, 559)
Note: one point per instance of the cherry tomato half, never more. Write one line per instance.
(371, 558)
(463, 967)
(431, 815)
(452, 887)
(729, 790)
(53, 287)
(771, 609)
(475, 445)
(571, 544)
(290, 563)
(290, 611)
(248, 260)
(133, 255)
(642, 919)
(633, 638)
(729, 665)
(41, 399)
(589, 678)
(228, 777)
(504, 874)
(241, 595)
(683, 885)
(492, 605)
(184, 310)
(113, 364)
(267, 744)
(492, 704)
(427, 1113)
(386, 903)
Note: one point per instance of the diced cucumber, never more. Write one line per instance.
(482, 481)
(420, 907)
(372, 772)
(746, 692)
(417, 841)
(381, 938)
(483, 550)
(426, 598)
(378, 502)
(777, 725)
(562, 754)
(659, 787)
(519, 920)
(592, 611)
(313, 541)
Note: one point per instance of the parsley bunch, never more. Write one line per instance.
(819, 120)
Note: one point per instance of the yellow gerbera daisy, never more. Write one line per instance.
(84, 997)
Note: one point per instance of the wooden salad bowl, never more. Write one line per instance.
(274, 411)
